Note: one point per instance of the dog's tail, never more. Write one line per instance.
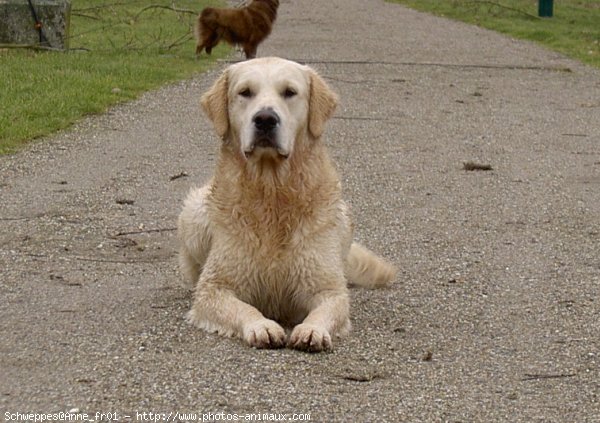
(206, 30)
(198, 26)
(365, 269)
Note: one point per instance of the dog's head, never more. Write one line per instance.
(264, 107)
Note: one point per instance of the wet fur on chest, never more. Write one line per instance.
(275, 210)
(269, 221)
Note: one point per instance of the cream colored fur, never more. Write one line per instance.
(267, 243)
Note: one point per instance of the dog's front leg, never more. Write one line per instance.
(217, 309)
(328, 316)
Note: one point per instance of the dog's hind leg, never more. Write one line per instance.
(211, 42)
(190, 269)
(199, 48)
(195, 237)
(207, 44)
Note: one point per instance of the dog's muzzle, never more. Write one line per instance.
(266, 123)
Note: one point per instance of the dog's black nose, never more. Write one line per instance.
(265, 120)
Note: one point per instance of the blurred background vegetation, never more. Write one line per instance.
(118, 49)
(574, 30)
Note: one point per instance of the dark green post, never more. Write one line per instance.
(545, 8)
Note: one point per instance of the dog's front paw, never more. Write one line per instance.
(310, 338)
(264, 334)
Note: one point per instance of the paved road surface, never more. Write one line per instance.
(495, 315)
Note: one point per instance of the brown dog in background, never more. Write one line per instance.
(247, 26)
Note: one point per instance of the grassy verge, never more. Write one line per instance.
(574, 30)
(117, 51)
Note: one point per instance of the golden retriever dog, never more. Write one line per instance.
(247, 26)
(267, 243)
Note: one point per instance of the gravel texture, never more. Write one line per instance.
(495, 315)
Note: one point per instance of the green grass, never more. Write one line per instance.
(574, 30)
(117, 51)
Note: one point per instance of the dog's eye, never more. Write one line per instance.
(289, 93)
(246, 93)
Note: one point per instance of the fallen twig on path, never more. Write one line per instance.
(471, 166)
(536, 376)
(144, 231)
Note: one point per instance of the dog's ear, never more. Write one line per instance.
(321, 104)
(214, 103)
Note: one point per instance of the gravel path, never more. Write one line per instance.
(495, 315)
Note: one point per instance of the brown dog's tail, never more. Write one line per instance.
(365, 269)
(206, 30)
